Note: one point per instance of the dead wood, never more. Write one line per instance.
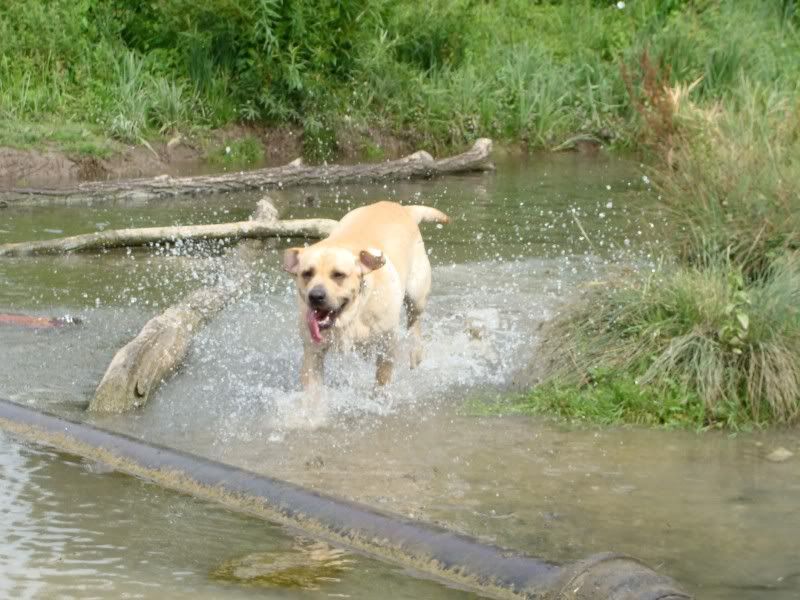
(417, 165)
(120, 238)
(137, 370)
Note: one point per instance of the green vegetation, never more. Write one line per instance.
(607, 398)
(74, 138)
(716, 349)
(733, 180)
(437, 74)
(721, 322)
(238, 152)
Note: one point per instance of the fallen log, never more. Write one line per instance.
(417, 165)
(157, 351)
(120, 238)
(140, 366)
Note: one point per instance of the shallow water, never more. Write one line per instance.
(707, 509)
(71, 530)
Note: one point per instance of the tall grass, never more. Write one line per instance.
(735, 185)
(441, 73)
(723, 323)
(733, 345)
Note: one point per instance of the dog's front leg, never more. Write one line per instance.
(385, 360)
(313, 366)
(313, 406)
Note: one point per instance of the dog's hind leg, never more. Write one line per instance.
(414, 312)
(416, 299)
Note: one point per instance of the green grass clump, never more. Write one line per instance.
(732, 343)
(606, 398)
(72, 138)
(244, 151)
(734, 184)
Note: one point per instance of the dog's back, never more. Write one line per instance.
(386, 226)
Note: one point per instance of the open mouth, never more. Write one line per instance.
(320, 319)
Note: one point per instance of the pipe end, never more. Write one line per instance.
(612, 576)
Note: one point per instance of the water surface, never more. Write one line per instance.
(707, 509)
(70, 529)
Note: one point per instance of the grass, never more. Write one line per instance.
(720, 323)
(72, 138)
(731, 345)
(238, 152)
(438, 75)
(608, 398)
(734, 182)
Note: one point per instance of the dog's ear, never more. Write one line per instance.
(291, 260)
(371, 259)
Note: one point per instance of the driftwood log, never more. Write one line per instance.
(140, 366)
(417, 165)
(119, 238)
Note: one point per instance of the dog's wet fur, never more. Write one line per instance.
(352, 287)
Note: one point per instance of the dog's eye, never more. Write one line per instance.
(308, 273)
(338, 275)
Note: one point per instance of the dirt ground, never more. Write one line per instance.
(179, 155)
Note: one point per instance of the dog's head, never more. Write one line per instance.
(329, 280)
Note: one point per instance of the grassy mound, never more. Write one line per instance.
(727, 348)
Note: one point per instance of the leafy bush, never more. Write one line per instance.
(278, 56)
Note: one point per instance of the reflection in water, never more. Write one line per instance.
(69, 531)
(707, 509)
(17, 549)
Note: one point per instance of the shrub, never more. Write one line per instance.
(439, 74)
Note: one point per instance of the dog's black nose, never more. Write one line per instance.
(316, 296)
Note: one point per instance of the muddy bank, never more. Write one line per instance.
(55, 167)
(185, 155)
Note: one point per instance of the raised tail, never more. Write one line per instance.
(426, 214)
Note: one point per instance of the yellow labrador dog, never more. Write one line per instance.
(352, 286)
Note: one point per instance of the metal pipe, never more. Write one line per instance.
(435, 551)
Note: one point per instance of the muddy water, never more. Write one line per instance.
(707, 509)
(71, 530)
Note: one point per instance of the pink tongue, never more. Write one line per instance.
(313, 326)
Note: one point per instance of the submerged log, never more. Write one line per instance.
(157, 351)
(120, 238)
(417, 165)
(34, 322)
